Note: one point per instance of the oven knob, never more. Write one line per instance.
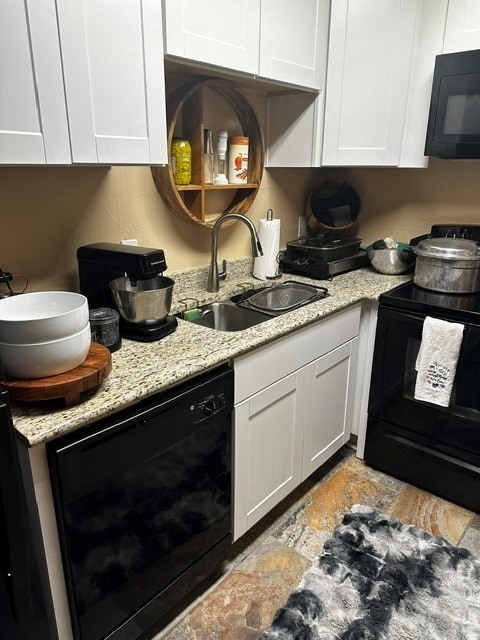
(209, 407)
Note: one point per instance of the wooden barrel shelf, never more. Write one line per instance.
(185, 109)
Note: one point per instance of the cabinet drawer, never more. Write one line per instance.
(264, 366)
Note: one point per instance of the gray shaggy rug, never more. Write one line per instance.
(378, 579)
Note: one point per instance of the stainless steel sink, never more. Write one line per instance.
(226, 316)
(254, 307)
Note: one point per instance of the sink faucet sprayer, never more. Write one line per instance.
(214, 275)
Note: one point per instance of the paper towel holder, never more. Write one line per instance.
(278, 272)
(264, 267)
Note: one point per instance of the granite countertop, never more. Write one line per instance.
(141, 369)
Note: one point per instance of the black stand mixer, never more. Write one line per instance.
(128, 278)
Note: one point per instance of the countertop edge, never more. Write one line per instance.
(142, 369)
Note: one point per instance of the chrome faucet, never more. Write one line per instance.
(214, 275)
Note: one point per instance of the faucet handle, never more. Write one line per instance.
(223, 273)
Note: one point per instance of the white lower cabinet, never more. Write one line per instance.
(293, 409)
(330, 394)
(268, 448)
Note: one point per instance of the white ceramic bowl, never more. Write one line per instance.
(42, 316)
(43, 359)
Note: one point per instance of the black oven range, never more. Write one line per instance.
(433, 447)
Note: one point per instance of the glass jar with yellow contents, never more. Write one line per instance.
(181, 161)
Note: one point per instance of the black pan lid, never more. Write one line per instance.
(332, 205)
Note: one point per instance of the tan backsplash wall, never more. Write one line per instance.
(46, 213)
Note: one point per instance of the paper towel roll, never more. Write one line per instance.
(266, 266)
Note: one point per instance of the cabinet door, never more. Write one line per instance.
(293, 41)
(329, 414)
(369, 58)
(224, 33)
(294, 130)
(431, 17)
(268, 444)
(112, 54)
(462, 32)
(33, 119)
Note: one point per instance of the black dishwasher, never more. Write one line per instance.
(143, 504)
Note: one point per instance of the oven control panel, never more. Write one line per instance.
(467, 231)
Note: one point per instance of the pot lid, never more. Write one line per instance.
(332, 205)
(448, 248)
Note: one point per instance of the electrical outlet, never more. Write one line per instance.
(132, 242)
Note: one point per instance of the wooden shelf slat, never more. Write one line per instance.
(226, 187)
(189, 187)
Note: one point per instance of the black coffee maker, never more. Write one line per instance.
(101, 263)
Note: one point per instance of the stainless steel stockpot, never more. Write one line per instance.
(449, 265)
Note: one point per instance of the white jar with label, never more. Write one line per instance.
(238, 160)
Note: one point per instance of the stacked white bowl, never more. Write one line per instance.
(43, 333)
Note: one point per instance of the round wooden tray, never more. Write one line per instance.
(69, 385)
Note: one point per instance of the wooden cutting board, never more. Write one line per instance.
(69, 385)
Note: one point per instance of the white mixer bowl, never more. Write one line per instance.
(41, 316)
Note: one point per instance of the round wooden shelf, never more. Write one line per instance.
(185, 110)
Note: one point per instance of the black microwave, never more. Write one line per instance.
(454, 119)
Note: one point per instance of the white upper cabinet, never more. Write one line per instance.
(224, 33)
(293, 41)
(82, 81)
(294, 129)
(112, 54)
(380, 67)
(429, 33)
(33, 118)
(463, 26)
(370, 52)
(276, 39)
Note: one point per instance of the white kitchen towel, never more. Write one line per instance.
(437, 360)
(266, 266)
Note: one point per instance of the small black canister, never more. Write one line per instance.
(104, 324)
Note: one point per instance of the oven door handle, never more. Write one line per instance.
(421, 319)
(410, 316)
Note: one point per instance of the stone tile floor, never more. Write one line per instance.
(269, 561)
